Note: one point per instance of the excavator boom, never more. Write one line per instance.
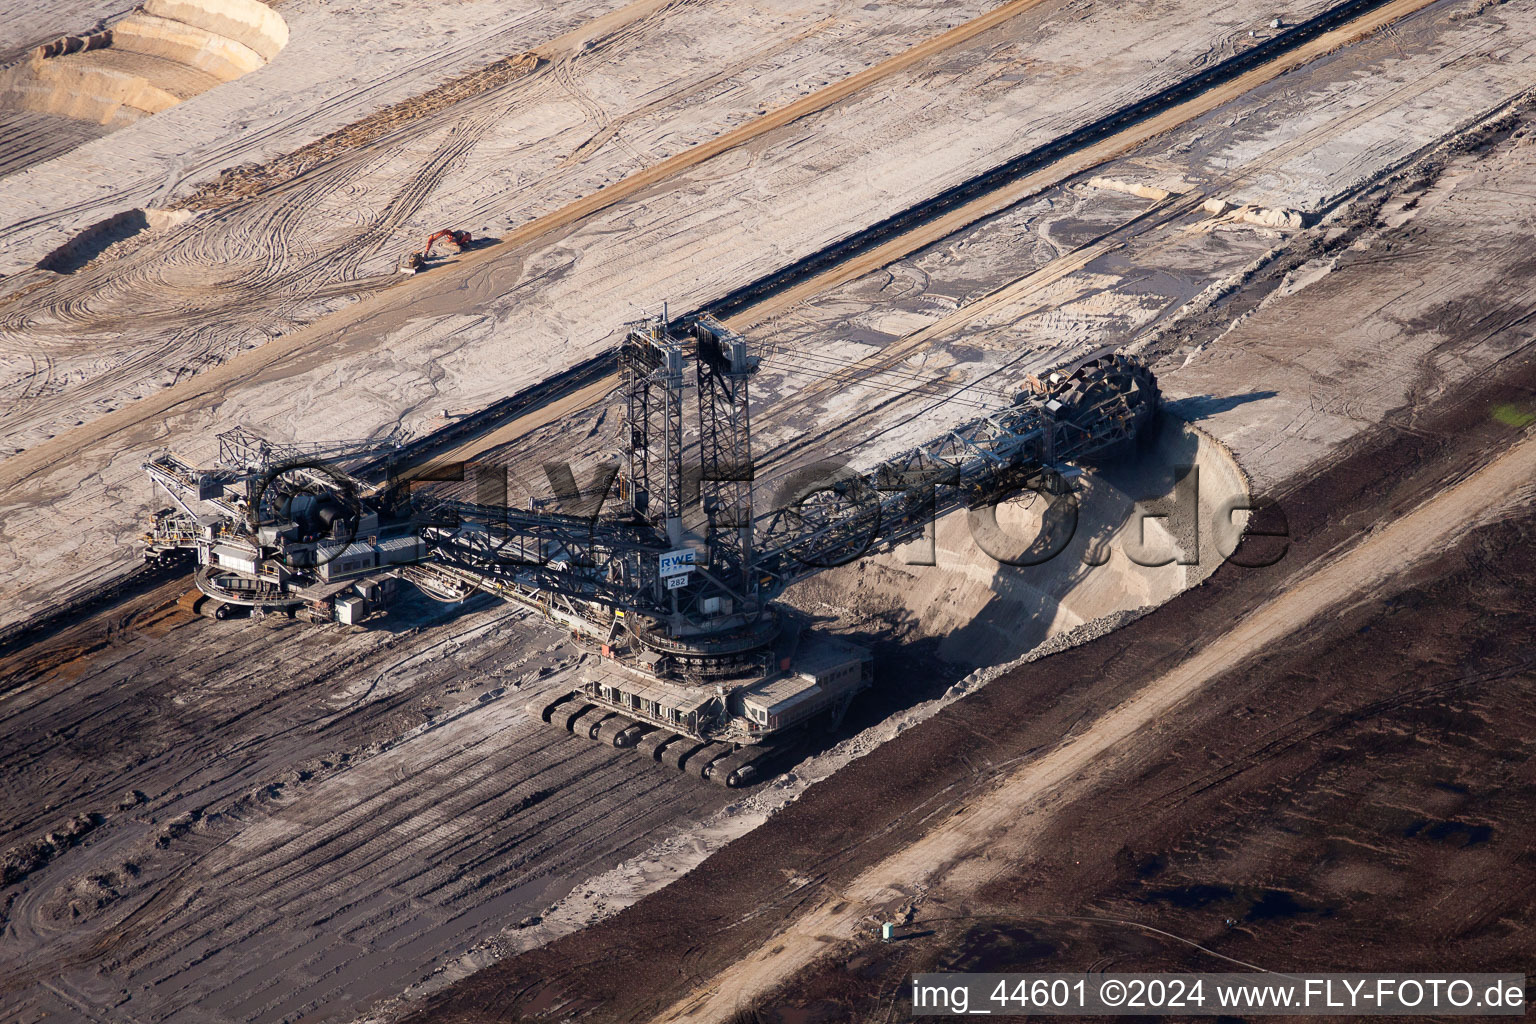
(418, 260)
(460, 239)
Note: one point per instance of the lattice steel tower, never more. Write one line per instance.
(707, 505)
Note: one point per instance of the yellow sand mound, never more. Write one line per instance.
(161, 54)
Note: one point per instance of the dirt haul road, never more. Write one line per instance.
(300, 251)
(906, 242)
(297, 840)
(387, 357)
(1350, 799)
(283, 350)
(1000, 826)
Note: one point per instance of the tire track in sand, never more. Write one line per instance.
(316, 338)
(908, 242)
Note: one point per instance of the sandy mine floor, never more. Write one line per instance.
(258, 821)
(482, 329)
(477, 331)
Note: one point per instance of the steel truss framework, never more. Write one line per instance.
(824, 519)
(1079, 412)
(598, 565)
(651, 364)
(725, 450)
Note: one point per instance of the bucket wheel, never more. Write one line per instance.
(1112, 398)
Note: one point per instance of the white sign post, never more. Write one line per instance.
(675, 562)
(677, 582)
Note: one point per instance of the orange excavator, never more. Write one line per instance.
(418, 260)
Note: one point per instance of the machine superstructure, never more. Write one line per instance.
(669, 570)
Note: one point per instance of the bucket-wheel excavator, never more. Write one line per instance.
(672, 587)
